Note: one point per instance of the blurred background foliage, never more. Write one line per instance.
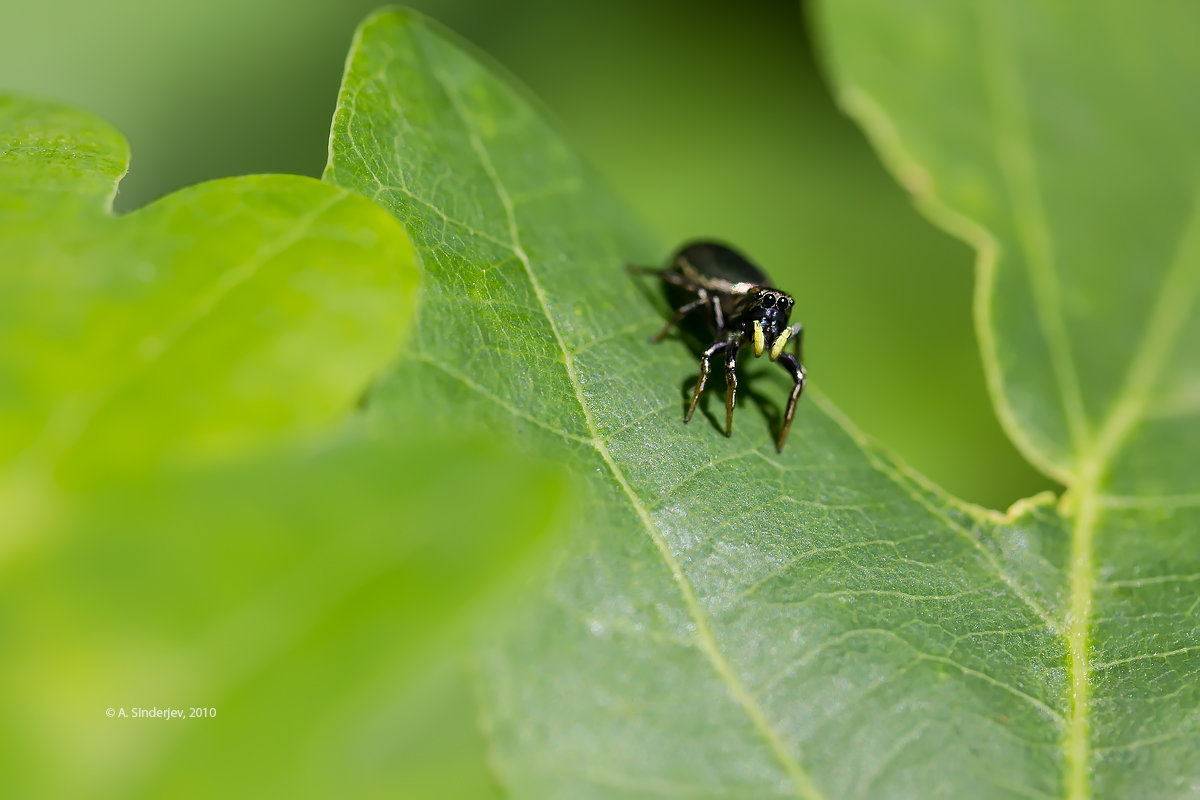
(710, 119)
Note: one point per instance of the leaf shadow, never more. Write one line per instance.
(694, 335)
(770, 411)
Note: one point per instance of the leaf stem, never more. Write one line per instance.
(1079, 614)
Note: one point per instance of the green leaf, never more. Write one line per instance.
(298, 593)
(1062, 145)
(220, 318)
(188, 520)
(728, 621)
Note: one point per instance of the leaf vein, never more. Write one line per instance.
(1019, 171)
(888, 469)
(705, 638)
(69, 433)
(489, 395)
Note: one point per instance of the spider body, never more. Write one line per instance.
(740, 307)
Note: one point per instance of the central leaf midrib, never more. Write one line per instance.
(1014, 154)
(704, 636)
(1095, 451)
(1175, 297)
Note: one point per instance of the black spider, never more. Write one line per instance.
(742, 308)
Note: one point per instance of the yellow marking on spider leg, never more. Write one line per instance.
(758, 338)
(782, 339)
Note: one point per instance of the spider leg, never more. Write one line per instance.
(680, 313)
(718, 315)
(675, 278)
(668, 275)
(798, 373)
(730, 385)
(705, 367)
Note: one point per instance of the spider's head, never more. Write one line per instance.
(767, 321)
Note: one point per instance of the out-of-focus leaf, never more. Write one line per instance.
(298, 594)
(1064, 144)
(220, 318)
(1064, 147)
(729, 622)
(188, 523)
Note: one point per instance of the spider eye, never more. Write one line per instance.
(767, 301)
